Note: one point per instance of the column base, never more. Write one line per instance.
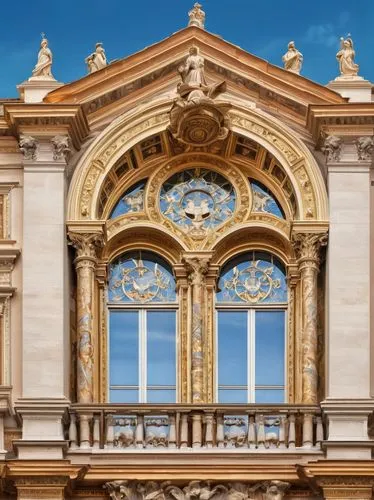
(348, 429)
(42, 428)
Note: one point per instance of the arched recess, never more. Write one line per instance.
(136, 125)
(263, 232)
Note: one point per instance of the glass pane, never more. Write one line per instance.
(253, 278)
(124, 396)
(232, 348)
(159, 396)
(131, 201)
(232, 396)
(140, 277)
(270, 347)
(264, 200)
(161, 362)
(124, 348)
(269, 396)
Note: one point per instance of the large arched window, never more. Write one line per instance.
(251, 307)
(142, 330)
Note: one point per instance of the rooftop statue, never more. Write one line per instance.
(43, 68)
(197, 16)
(293, 59)
(346, 56)
(96, 60)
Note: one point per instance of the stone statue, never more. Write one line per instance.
(192, 71)
(97, 60)
(43, 68)
(346, 56)
(197, 16)
(293, 59)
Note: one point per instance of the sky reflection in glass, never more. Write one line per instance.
(131, 201)
(264, 200)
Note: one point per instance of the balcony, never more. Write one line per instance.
(123, 429)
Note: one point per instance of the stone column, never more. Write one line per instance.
(86, 245)
(198, 267)
(307, 247)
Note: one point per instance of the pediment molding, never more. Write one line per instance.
(154, 67)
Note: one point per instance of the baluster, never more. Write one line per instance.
(308, 430)
(209, 430)
(96, 431)
(172, 441)
(220, 431)
(196, 431)
(85, 431)
(282, 432)
(140, 432)
(261, 432)
(291, 431)
(184, 431)
(109, 431)
(251, 432)
(73, 436)
(319, 432)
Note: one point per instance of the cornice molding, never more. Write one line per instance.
(47, 120)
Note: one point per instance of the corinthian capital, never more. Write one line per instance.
(197, 266)
(86, 244)
(308, 245)
(28, 146)
(365, 146)
(61, 147)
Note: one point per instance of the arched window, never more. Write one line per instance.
(251, 308)
(131, 201)
(265, 201)
(142, 330)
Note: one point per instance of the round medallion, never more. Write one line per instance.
(197, 200)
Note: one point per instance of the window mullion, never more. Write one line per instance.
(251, 355)
(143, 356)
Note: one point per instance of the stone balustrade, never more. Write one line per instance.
(186, 427)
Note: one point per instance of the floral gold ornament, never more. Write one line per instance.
(142, 281)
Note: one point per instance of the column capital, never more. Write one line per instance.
(197, 264)
(86, 243)
(307, 246)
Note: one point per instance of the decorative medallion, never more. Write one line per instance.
(140, 280)
(259, 280)
(197, 200)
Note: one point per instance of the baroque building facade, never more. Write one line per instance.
(185, 303)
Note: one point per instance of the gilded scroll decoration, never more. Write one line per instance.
(253, 279)
(140, 278)
(197, 200)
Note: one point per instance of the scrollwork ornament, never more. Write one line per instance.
(332, 148)
(86, 245)
(365, 147)
(28, 146)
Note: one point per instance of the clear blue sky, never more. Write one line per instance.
(261, 27)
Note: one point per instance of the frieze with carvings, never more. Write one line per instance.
(196, 490)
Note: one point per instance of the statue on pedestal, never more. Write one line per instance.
(43, 68)
(97, 60)
(346, 56)
(197, 16)
(293, 59)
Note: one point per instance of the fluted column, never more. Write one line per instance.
(86, 246)
(307, 247)
(197, 265)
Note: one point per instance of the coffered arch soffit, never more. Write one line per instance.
(130, 129)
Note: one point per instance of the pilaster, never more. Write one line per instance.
(348, 402)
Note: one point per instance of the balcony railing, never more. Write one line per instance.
(125, 428)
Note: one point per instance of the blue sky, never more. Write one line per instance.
(260, 27)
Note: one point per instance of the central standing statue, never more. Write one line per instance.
(43, 68)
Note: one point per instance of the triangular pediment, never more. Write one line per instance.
(153, 71)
